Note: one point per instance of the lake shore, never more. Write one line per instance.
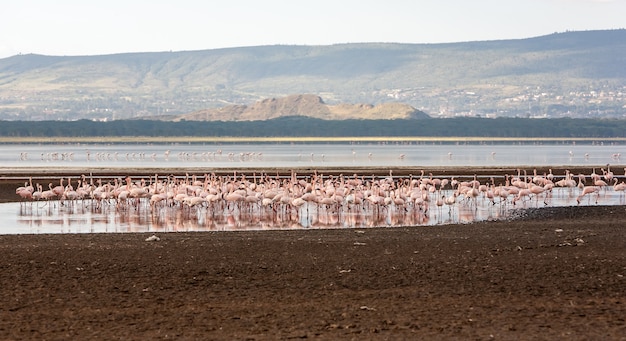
(552, 273)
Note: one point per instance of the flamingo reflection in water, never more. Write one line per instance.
(241, 201)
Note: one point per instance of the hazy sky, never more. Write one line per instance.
(80, 27)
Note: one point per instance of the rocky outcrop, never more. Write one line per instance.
(304, 105)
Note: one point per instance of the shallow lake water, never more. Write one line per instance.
(256, 155)
(88, 216)
(95, 217)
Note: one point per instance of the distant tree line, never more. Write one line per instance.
(301, 126)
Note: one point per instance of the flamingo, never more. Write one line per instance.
(37, 193)
(535, 189)
(600, 183)
(49, 194)
(588, 190)
(503, 193)
(58, 190)
(523, 193)
(608, 175)
(439, 202)
(28, 186)
(621, 187)
(25, 192)
(193, 201)
(450, 201)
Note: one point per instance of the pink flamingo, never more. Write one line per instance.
(59, 190)
(588, 190)
(25, 192)
(608, 175)
(37, 193)
(600, 183)
(49, 194)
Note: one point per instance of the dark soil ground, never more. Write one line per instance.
(550, 274)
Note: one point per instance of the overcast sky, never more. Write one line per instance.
(80, 27)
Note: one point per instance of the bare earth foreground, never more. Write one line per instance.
(552, 274)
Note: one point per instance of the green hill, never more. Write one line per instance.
(575, 74)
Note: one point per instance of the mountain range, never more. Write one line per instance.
(572, 74)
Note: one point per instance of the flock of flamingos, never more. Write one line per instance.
(314, 200)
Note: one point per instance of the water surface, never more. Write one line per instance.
(306, 154)
(87, 216)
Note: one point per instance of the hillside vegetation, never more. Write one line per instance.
(510, 128)
(576, 74)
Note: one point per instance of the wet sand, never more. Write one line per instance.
(554, 273)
